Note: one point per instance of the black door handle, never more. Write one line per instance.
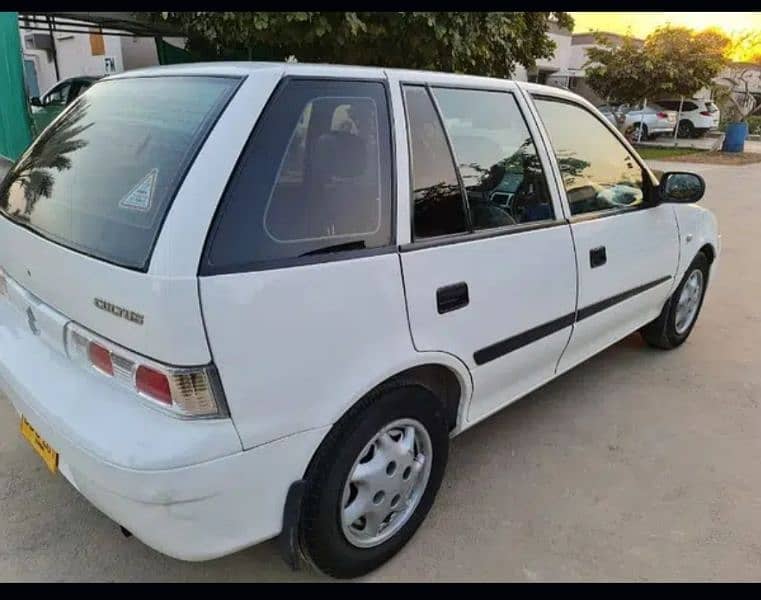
(597, 257)
(452, 297)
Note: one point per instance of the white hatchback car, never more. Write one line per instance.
(243, 300)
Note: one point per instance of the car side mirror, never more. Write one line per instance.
(681, 187)
(35, 101)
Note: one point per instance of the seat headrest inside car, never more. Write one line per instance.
(339, 154)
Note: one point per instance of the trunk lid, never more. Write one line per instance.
(154, 316)
(82, 209)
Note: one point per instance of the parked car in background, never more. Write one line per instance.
(52, 102)
(698, 116)
(610, 113)
(243, 300)
(656, 120)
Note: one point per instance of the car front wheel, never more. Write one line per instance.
(678, 317)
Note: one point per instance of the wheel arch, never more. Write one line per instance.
(443, 374)
(709, 251)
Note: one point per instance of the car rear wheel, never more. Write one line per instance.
(685, 129)
(678, 317)
(632, 133)
(374, 479)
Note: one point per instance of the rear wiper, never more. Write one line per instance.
(357, 245)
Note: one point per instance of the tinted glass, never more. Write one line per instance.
(687, 106)
(496, 156)
(58, 95)
(437, 197)
(315, 177)
(100, 179)
(598, 172)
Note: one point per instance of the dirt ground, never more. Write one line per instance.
(718, 158)
(637, 465)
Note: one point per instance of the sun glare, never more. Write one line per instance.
(640, 24)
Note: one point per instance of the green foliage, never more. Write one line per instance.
(689, 60)
(620, 73)
(672, 61)
(484, 43)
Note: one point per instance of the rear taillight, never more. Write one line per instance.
(153, 384)
(705, 113)
(663, 115)
(100, 358)
(182, 391)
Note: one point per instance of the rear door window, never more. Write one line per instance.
(314, 180)
(101, 178)
(438, 202)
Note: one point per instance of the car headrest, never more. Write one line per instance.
(338, 154)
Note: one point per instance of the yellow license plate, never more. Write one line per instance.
(42, 448)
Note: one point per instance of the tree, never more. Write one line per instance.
(484, 43)
(620, 73)
(672, 61)
(690, 60)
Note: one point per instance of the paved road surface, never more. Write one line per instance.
(637, 465)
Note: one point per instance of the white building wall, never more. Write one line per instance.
(577, 57)
(75, 55)
(138, 52)
(520, 73)
(561, 57)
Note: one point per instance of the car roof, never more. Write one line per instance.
(242, 68)
(245, 68)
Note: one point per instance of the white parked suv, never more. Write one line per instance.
(243, 300)
(698, 116)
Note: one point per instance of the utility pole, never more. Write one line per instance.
(51, 22)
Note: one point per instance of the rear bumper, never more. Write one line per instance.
(184, 488)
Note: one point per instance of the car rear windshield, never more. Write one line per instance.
(711, 107)
(100, 179)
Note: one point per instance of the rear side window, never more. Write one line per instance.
(101, 178)
(314, 179)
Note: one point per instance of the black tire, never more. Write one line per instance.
(322, 540)
(685, 129)
(631, 133)
(662, 333)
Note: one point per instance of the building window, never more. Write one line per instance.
(97, 44)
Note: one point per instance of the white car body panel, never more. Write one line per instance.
(651, 119)
(537, 286)
(296, 347)
(642, 248)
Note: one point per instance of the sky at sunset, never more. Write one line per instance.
(642, 23)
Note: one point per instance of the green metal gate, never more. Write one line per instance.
(15, 122)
